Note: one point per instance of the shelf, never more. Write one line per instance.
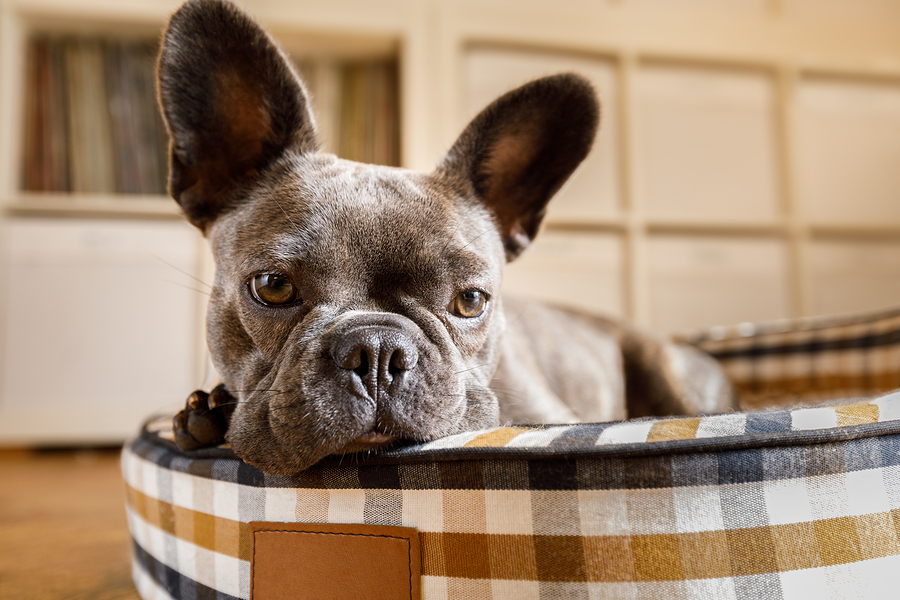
(588, 223)
(715, 226)
(856, 230)
(92, 205)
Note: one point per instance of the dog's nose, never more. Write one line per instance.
(377, 355)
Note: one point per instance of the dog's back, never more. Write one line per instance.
(559, 365)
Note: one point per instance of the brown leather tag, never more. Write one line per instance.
(333, 562)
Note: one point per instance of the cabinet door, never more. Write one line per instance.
(99, 326)
(855, 275)
(706, 144)
(700, 282)
(574, 269)
(593, 190)
(848, 151)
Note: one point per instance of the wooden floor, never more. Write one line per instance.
(63, 533)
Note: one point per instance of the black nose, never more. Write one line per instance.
(378, 356)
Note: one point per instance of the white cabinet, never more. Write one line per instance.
(572, 268)
(705, 281)
(707, 147)
(100, 324)
(594, 190)
(849, 150)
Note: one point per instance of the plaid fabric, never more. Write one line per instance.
(782, 504)
(803, 360)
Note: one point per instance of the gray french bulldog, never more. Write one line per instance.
(355, 306)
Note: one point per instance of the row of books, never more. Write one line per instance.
(93, 124)
(357, 108)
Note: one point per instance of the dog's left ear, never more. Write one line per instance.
(519, 151)
(232, 105)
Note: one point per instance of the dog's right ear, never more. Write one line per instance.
(517, 153)
(232, 105)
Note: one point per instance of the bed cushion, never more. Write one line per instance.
(782, 503)
(794, 361)
(759, 505)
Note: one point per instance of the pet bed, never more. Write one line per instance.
(779, 503)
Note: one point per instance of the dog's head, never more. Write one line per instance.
(353, 304)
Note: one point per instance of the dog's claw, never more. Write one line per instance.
(214, 400)
(204, 420)
(196, 398)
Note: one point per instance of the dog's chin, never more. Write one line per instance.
(290, 444)
(374, 440)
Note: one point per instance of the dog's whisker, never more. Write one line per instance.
(287, 216)
(473, 368)
(508, 393)
(461, 248)
(260, 391)
(187, 287)
(450, 238)
(182, 271)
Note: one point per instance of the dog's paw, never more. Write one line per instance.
(205, 419)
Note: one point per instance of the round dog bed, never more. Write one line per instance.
(797, 503)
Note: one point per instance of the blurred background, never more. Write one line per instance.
(747, 169)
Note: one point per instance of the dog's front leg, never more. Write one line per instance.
(205, 419)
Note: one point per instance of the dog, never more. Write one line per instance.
(357, 306)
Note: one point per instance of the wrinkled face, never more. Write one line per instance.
(353, 306)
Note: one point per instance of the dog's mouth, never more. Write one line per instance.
(370, 441)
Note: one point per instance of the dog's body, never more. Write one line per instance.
(356, 305)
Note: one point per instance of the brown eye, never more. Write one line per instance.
(273, 289)
(469, 304)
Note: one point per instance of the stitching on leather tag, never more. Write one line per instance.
(333, 562)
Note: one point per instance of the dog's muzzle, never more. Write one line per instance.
(377, 357)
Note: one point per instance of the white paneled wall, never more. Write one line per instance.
(746, 169)
(706, 144)
(849, 150)
(594, 191)
(872, 10)
(716, 191)
(750, 7)
(700, 281)
(574, 268)
(852, 275)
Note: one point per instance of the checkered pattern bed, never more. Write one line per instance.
(791, 504)
(783, 363)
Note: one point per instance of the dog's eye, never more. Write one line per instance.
(273, 289)
(469, 304)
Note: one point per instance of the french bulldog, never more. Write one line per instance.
(355, 306)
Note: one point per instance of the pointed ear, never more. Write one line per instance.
(232, 105)
(519, 151)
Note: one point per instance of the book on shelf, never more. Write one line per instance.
(92, 123)
(142, 150)
(91, 152)
(357, 107)
(46, 165)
